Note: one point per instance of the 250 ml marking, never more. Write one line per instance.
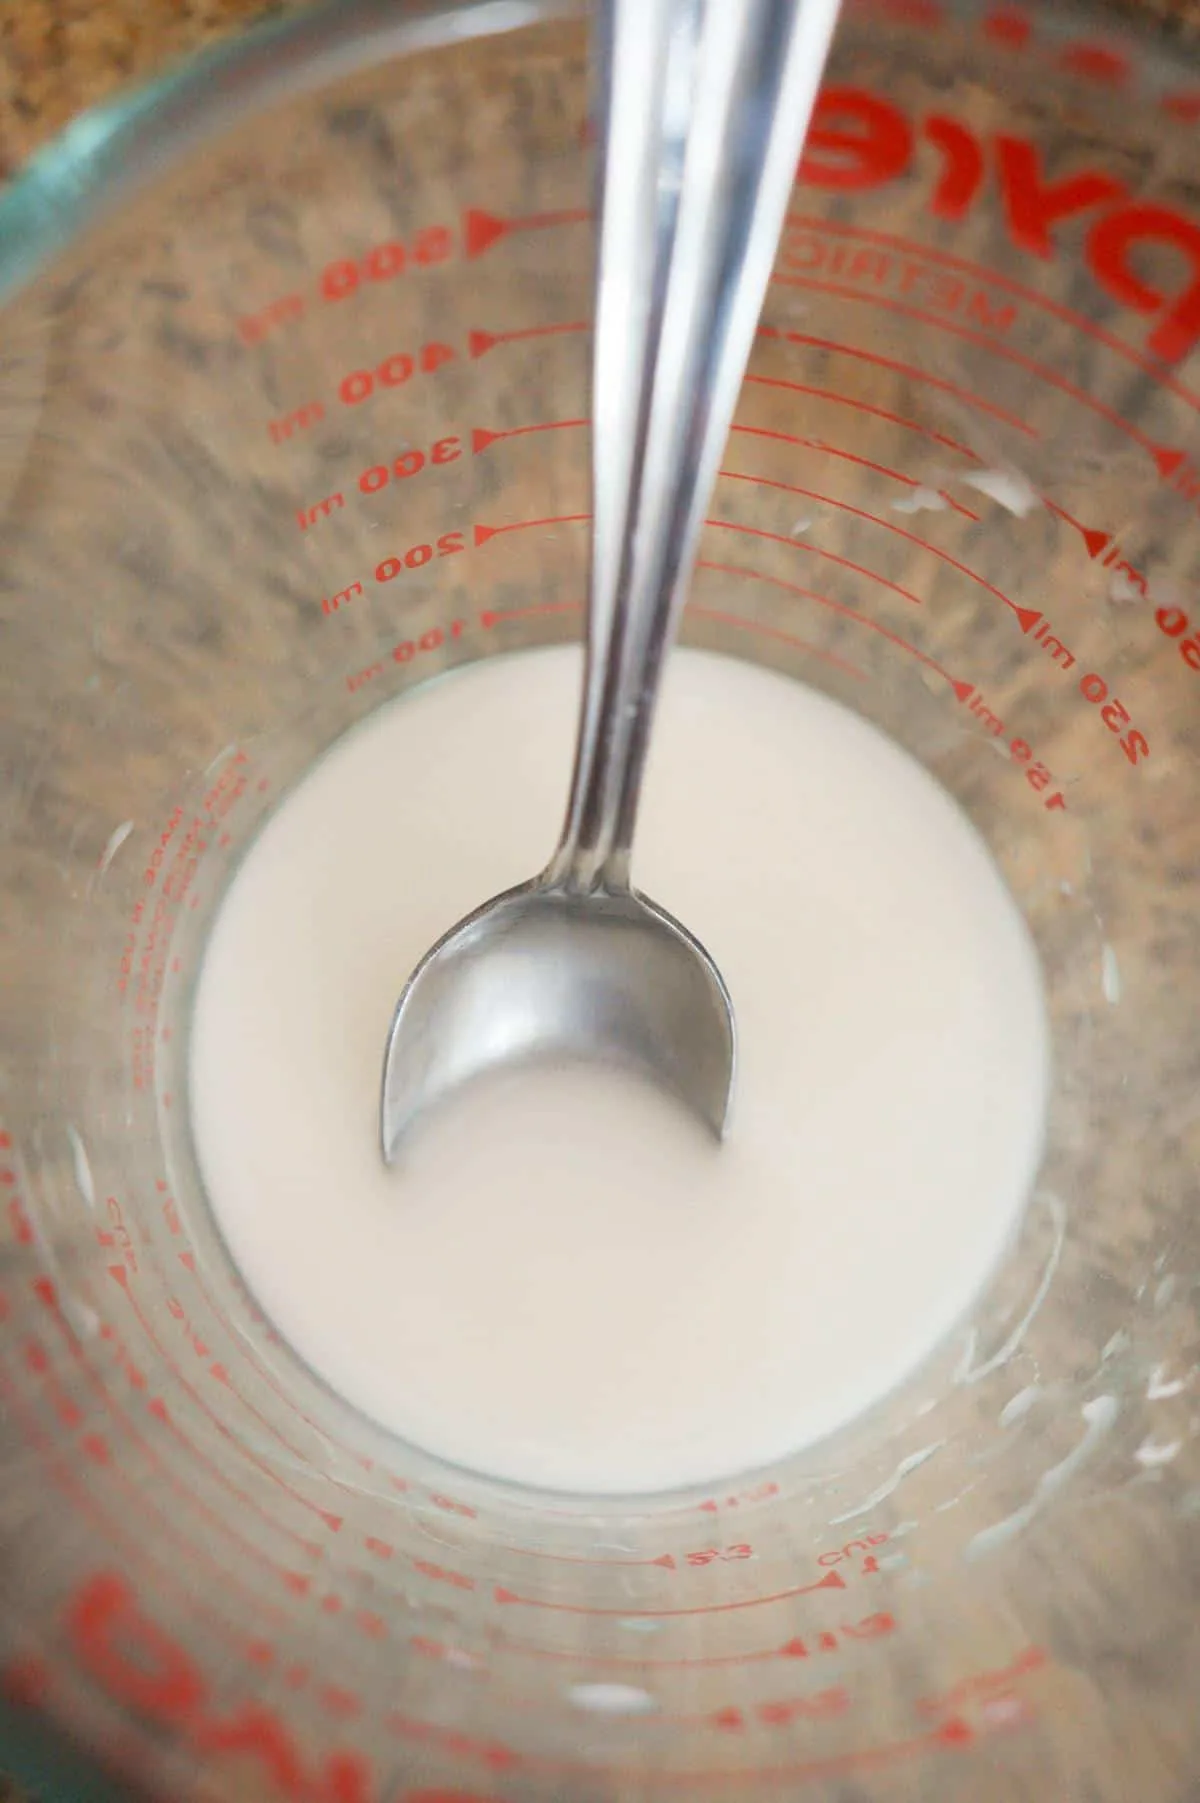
(1095, 689)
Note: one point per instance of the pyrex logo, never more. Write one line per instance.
(860, 140)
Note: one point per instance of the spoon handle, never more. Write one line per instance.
(703, 106)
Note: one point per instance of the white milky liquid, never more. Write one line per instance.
(566, 1283)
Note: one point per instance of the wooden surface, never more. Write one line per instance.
(58, 56)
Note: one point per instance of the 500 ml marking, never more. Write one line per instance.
(338, 280)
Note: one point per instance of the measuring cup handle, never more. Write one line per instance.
(703, 113)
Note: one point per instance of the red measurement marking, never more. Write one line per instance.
(97, 1450)
(954, 1733)
(962, 689)
(333, 1522)
(300, 419)
(18, 1219)
(832, 1581)
(481, 439)
(479, 343)
(871, 1628)
(771, 632)
(501, 616)
(1078, 322)
(499, 1757)
(481, 230)
(867, 407)
(439, 1575)
(384, 262)
(794, 544)
(1051, 377)
(880, 469)
(110, 1529)
(666, 1560)
(1169, 462)
(1032, 1659)
(1094, 541)
(188, 1261)
(1036, 773)
(836, 1555)
(1027, 617)
(817, 1706)
(395, 371)
(759, 1493)
(483, 533)
(218, 1372)
(158, 1410)
(143, 1668)
(254, 327)
(910, 370)
(1183, 105)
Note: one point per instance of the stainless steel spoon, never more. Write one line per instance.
(703, 106)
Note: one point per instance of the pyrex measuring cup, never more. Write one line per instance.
(293, 392)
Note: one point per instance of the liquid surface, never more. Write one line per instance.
(564, 1282)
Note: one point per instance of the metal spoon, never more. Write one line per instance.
(703, 107)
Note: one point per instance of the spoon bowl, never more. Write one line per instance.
(541, 973)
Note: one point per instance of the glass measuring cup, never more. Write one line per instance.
(294, 392)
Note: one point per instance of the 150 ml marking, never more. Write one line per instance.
(1036, 773)
(1114, 714)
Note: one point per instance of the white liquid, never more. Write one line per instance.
(566, 1283)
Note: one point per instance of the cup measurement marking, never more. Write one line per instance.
(871, 1627)
(140, 1665)
(1036, 773)
(110, 1527)
(396, 368)
(48, 1298)
(104, 1457)
(378, 477)
(832, 395)
(1093, 687)
(832, 1580)
(1165, 459)
(333, 1522)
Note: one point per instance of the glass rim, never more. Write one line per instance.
(110, 152)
